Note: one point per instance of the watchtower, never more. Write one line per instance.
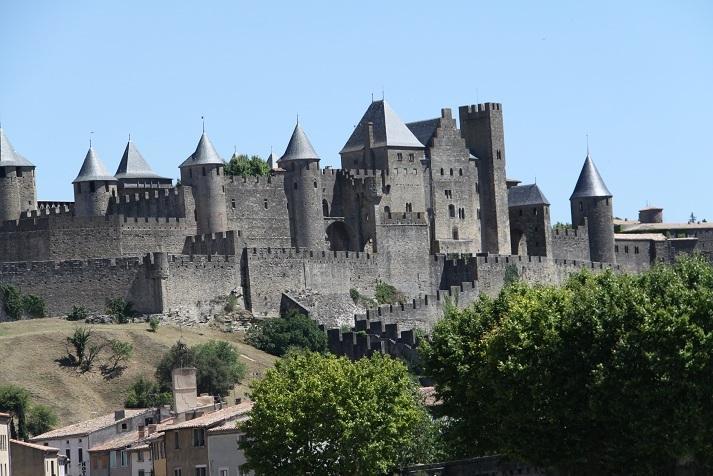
(591, 203)
(304, 191)
(17, 182)
(204, 172)
(482, 128)
(94, 187)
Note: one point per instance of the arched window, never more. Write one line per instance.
(325, 208)
(451, 211)
(451, 172)
(441, 171)
(387, 211)
(460, 172)
(315, 184)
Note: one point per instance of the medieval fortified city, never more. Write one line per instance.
(415, 311)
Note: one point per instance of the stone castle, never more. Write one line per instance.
(425, 206)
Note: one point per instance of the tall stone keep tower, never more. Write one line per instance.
(591, 203)
(303, 187)
(17, 182)
(482, 128)
(204, 172)
(94, 187)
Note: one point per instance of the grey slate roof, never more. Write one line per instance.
(424, 130)
(590, 183)
(299, 147)
(523, 195)
(389, 130)
(8, 156)
(272, 160)
(205, 154)
(133, 165)
(93, 169)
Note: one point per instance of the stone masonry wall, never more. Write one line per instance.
(570, 244)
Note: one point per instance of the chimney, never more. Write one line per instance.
(142, 432)
(185, 390)
(119, 415)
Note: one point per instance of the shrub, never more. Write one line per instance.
(231, 304)
(243, 166)
(145, 393)
(12, 300)
(78, 313)
(34, 306)
(41, 419)
(387, 294)
(354, 294)
(120, 353)
(276, 336)
(153, 323)
(120, 310)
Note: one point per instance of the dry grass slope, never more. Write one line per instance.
(28, 350)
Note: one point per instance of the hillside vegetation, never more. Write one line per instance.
(29, 351)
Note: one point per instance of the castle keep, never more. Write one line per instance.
(425, 206)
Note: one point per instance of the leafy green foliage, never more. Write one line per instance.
(79, 341)
(145, 393)
(217, 362)
(120, 353)
(34, 306)
(15, 401)
(246, 167)
(12, 300)
(41, 419)
(385, 293)
(511, 274)
(154, 323)
(294, 330)
(78, 313)
(606, 374)
(322, 415)
(120, 310)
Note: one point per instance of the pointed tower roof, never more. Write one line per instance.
(590, 183)
(272, 160)
(526, 195)
(8, 156)
(93, 169)
(205, 154)
(133, 165)
(389, 130)
(299, 148)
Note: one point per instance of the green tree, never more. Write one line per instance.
(79, 341)
(322, 415)
(12, 300)
(78, 313)
(386, 293)
(145, 393)
(41, 419)
(120, 353)
(219, 367)
(606, 374)
(246, 167)
(120, 310)
(276, 336)
(179, 355)
(15, 401)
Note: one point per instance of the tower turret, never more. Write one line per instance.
(17, 182)
(204, 172)
(591, 202)
(304, 191)
(135, 173)
(482, 129)
(93, 187)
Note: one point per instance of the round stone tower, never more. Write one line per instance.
(17, 182)
(204, 172)
(94, 187)
(303, 187)
(591, 203)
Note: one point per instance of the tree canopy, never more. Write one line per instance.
(243, 166)
(606, 374)
(322, 415)
(217, 363)
(144, 393)
(277, 336)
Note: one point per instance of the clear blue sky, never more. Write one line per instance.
(636, 75)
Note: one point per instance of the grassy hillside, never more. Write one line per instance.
(28, 350)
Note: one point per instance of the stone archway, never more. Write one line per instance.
(338, 236)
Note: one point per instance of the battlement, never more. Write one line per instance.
(566, 232)
(146, 195)
(317, 256)
(266, 181)
(201, 260)
(403, 218)
(177, 221)
(220, 243)
(68, 266)
(480, 109)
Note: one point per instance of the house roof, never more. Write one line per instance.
(389, 130)
(424, 130)
(590, 182)
(133, 165)
(47, 449)
(93, 169)
(523, 195)
(89, 426)
(228, 427)
(299, 147)
(635, 227)
(8, 156)
(214, 418)
(639, 236)
(205, 154)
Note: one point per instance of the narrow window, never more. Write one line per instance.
(519, 212)
(198, 437)
(203, 171)
(477, 187)
(581, 206)
(325, 208)
(451, 211)
(264, 203)
(534, 211)
(411, 157)
(80, 457)
(460, 172)
(190, 172)
(294, 185)
(232, 203)
(499, 154)
(478, 213)
(175, 440)
(451, 172)
(315, 184)
(455, 232)
(92, 187)
(387, 211)
(636, 250)
(626, 249)
(399, 156)
(441, 171)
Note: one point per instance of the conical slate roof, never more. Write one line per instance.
(205, 154)
(93, 169)
(133, 165)
(299, 148)
(8, 156)
(525, 195)
(389, 130)
(590, 183)
(272, 160)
